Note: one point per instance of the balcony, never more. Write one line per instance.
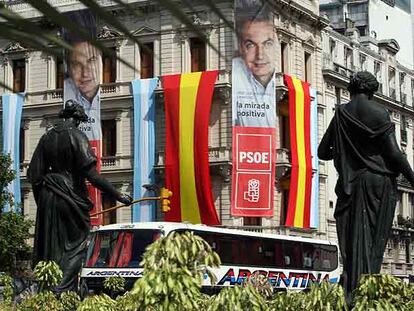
(335, 72)
(122, 89)
(109, 162)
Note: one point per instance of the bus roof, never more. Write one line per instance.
(171, 226)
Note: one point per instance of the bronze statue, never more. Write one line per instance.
(60, 164)
(361, 141)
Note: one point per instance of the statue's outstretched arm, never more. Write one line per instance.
(105, 186)
(325, 149)
(393, 154)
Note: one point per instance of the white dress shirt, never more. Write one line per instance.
(253, 104)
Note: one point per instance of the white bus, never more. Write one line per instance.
(288, 262)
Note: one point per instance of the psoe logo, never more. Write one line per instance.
(253, 191)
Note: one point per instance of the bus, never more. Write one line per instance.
(289, 262)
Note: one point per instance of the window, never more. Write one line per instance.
(109, 66)
(108, 202)
(284, 59)
(198, 54)
(391, 82)
(377, 74)
(19, 75)
(412, 90)
(59, 73)
(403, 129)
(21, 144)
(285, 205)
(332, 47)
(377, 69)
(362, 61)
(108, 138)
(119, 248)
(146, 52)
(403, 96)
(308, 67)
(338, 95)
(284, 132)
(411, 205)
(252, 221)
(349, 58)
(239, 250)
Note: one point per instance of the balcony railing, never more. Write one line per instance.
(109, 88)
(283, 156)
(108, 161)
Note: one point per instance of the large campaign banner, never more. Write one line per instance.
(83, 71)
(253, 110)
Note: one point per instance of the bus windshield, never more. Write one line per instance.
(119, 248)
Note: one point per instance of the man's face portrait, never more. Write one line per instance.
(84, 68)
(257, 48)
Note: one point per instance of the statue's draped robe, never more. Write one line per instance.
(63, 204)
(366, 191)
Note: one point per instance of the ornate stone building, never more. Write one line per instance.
(343, 55)
(305, 50)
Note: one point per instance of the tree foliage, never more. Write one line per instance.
(174, 268)
(173, 271)
(16, 228)
(383, 292)
(48, 275)
(6, 177)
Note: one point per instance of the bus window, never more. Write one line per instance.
(329, 257)
(308, 253)
(279, 258)
(244, 248)
(225, 249)
(115, 248)
(256, 252)
(292, 249)
(268, 253)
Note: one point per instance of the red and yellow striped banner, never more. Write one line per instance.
(298, 214)
(187, 173)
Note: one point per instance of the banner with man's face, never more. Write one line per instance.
(83, 69)
(253, 110)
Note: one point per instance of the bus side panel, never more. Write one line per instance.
(278, 278)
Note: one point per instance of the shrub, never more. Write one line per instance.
(383, 292)
(48, 274)
(173, 270)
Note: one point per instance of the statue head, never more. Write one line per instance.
(363, 82)
(73, 110)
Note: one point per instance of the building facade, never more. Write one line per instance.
(343, 55)
(306, 49)
(381, 20)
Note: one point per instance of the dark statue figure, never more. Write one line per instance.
(361, 141)
(61, 163)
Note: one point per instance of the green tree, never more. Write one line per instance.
(6, 177)
(174, 267)
(12, 225)
(16, 228)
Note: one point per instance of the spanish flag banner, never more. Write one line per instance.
(299, 206)
(187, 174)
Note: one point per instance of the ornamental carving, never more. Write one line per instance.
(107, 33)
(14, 47)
